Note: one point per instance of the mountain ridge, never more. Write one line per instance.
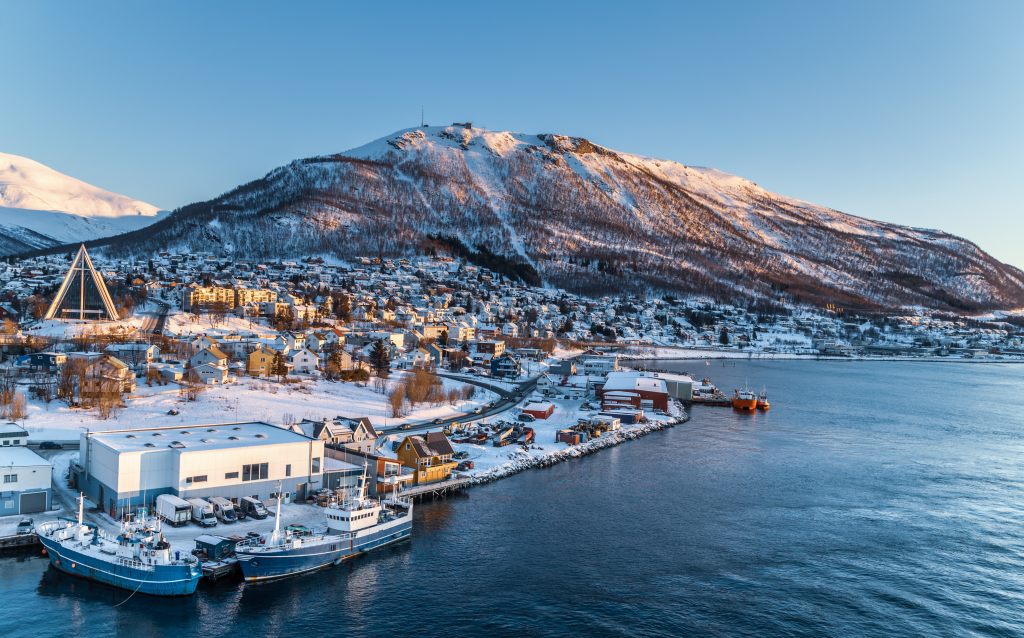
(41, 207)
(590, 219)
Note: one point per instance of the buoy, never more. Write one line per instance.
(44, 551)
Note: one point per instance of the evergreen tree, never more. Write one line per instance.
(344, 309)
(278, 367)
(380, 359)
(723, 337)
(568, 326)
(443, 339)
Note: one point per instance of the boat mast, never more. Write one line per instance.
(81, 501)
(277, 515)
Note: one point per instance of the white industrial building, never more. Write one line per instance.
(125, 468)
(26, 481)
(13, 434)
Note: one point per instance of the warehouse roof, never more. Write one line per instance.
(197, 437)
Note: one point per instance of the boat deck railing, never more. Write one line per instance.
(134, 563)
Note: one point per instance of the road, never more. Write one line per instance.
(154, 323)
(509, 389)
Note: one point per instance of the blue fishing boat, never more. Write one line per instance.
(354, 526)
(138, 559)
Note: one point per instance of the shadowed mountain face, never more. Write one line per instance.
(590, 220)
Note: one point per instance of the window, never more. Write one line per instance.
(199, 479)
(10, 478)
(316, 465)
(288, 470)
(231, 475)
(408, 446)
(17, 441)
(188, 479)
(264, 470)
(245, 473)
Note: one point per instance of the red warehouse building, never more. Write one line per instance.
(539, 410)
(635, 390)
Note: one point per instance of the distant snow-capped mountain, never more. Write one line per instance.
(588, 219)
(40, 207)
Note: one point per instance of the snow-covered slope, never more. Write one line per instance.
(41, 207)
(590, 220)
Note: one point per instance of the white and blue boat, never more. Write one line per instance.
(138, 559)
(354, 526)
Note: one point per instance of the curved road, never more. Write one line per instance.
(501, 405)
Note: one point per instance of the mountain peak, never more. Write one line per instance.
(41, 207)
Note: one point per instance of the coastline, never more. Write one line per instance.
(666, 353)
(609, 439)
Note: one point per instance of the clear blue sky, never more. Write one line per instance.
(906, 112)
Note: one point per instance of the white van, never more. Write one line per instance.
(202, 513)
(175, 511)
(223, 509)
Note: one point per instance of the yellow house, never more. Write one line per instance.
(260, 362)
(429, 457)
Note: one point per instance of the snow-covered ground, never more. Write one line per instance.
(247, 400)
(38, 198)
(486, 457)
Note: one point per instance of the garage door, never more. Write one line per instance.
(33, 502)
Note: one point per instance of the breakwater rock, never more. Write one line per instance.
(521, 460)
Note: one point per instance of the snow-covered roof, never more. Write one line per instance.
(18, 456)
(197, 437)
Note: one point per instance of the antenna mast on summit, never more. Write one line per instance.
(422, 112)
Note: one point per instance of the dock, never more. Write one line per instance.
(215, 569)
(724, 402)
(20, 540)
(439, 488)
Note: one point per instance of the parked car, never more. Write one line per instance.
(407, 426)
(527, 418)
(25, 526)
(253, 507)
(460, 455)
(51, 445)
(239, 512)
(436, 421)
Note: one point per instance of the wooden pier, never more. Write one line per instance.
(21, 540)
(435, 490)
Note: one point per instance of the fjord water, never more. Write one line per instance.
(872, 499)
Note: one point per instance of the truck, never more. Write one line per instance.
(202, 513)
(503, 437)
(253, 507)
(223, 509)
(172, 510)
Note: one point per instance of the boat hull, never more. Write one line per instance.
(162, 580)
(744, 404)
(259, 564)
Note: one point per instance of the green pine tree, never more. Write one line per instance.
(380, 359)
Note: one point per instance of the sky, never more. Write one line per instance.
(909, 112)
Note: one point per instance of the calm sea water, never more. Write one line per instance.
(873, 499)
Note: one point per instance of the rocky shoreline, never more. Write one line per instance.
(609, 439)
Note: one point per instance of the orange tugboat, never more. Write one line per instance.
(762, 400)
(744, 400)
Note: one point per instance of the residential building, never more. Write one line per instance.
(260, 362)
(208, 355)
(429, 456)
(303, 361)
(199, 298)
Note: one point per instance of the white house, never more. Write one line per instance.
(211, 373)
(303, 360)
(208, 355)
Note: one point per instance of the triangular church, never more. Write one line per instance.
(83, 295)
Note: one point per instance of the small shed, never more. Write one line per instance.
(539, 410)
(215, 547)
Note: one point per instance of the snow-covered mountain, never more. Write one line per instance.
(588, 219)
(40, 207)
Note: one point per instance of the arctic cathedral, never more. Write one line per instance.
(83, 295)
